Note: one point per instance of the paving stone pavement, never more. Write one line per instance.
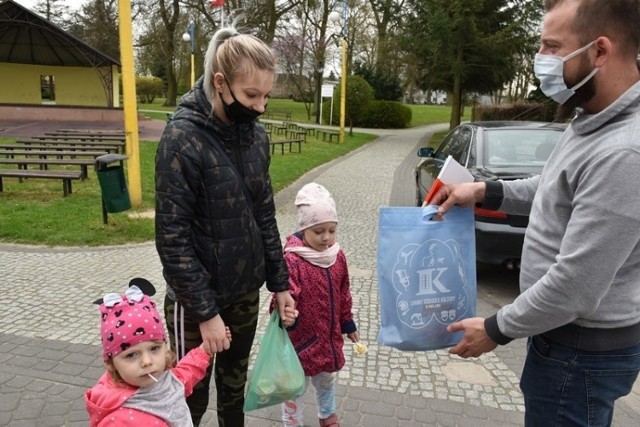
(49, 344)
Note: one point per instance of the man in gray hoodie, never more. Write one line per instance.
(580, 269)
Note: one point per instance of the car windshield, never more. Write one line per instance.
(519, 147)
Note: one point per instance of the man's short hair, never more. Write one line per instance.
(616, 19)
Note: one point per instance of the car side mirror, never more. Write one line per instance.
(426, 152)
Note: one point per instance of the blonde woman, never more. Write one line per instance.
(216, 231)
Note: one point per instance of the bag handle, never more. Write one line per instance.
(428, 213)
(275, 318)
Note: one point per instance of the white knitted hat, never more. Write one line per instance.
(315, 206)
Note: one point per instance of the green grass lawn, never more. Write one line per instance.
(420, 114)
(35, 211)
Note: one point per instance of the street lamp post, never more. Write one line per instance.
(190, 35)
(335, 17)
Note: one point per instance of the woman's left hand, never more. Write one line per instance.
(286, 308)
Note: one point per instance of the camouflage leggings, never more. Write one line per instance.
(230, 365)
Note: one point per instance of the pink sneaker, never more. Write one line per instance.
(331, 421)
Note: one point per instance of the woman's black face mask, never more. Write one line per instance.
(237, 112)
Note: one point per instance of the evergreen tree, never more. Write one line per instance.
(386, 86)
(465, 46)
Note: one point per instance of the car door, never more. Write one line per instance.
(456, 144)
(429, 168)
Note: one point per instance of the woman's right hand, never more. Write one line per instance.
(215, 337)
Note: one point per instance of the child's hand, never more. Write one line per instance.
(290, 316)
(360, 348)
(228, 334)
(286, 306)
(202, 347)
(214, 334)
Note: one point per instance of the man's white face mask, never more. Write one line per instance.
(549, 69)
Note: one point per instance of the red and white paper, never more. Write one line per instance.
(452, 172)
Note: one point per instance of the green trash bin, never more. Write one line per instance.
(115, 194)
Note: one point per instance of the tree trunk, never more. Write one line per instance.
(456, 102)
(170, 21)
(172, 86)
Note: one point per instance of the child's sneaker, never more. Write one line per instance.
(331, 421)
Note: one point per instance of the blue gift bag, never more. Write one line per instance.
(426, 275)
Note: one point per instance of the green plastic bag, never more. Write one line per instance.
(277, 373)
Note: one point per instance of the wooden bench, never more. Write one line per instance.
(275, 114)
(26, 144)
(284, 142)
(62, 136)
(44, 164)
(329, 134)
(296, 134)
(118, 132)
(278, 128)
(54, 148)
(116, 144)
(308, 129)
(65, 176)
(111, 148)
(45, 154)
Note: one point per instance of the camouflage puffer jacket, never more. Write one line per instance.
(216, 240)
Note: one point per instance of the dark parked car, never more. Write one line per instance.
(503, 150)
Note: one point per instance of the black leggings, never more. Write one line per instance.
(230, 366)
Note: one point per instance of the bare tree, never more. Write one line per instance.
(263, 16)
(293, 46)
(169, 12)
(316, 16)
(53, 10)
(387, 15)
(96, 23)
(360, 33)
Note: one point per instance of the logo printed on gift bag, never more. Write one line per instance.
(426, 276)
(429, 280)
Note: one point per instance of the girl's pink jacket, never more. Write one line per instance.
(323, 300)
(104, 401)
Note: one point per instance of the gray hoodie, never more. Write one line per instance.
(581, 254)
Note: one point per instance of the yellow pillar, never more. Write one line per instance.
(343, 89)
(130, 104)
(193, 69)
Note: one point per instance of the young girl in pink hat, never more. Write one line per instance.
(319, 281)
(140, 387)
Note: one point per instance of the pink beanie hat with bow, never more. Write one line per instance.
(127, 320)
(315, 206)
